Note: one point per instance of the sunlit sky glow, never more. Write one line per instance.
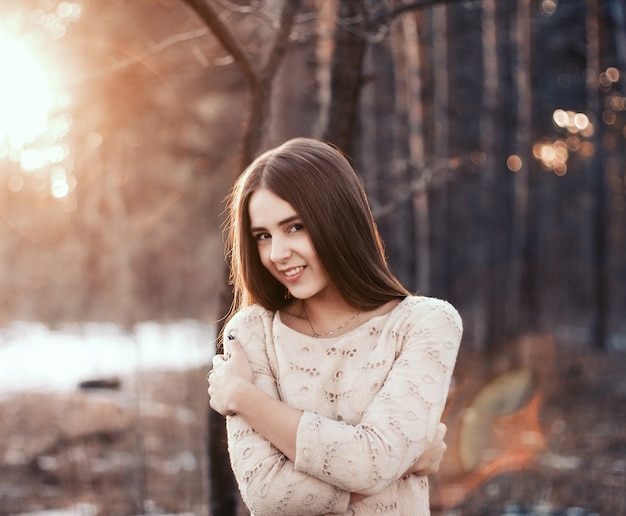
(32, 124)
(26, 98)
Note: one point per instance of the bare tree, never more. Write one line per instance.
(258, 77)
(346, 74)
(224, 494)
(417, 151)
(518, 258)
(597, 186)
(487, 296)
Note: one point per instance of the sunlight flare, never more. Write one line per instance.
(26, 98)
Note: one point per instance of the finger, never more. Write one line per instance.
(218, 360)
(232, 345)
(227, 342)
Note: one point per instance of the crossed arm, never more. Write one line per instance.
(233, 392)
(263, 434)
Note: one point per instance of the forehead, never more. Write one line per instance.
(265, 208)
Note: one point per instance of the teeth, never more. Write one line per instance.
(292, 272)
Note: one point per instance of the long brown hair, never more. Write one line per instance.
(321, 186)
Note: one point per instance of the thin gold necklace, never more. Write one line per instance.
(329, 332)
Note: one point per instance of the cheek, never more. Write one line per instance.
(264, 255)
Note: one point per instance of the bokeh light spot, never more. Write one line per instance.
(608, 117)
(616, 103)
(587, 149)
(93, 140)
(560, 117)
(478, 157)
(15, 183)
(581, 121)
(514, 163)
(548, 7)
(59, 186)
(560, 169)
(26, 98)
(604, 81)
(612, 74)
(553, 155)
(573, 143)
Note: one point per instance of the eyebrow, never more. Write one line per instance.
(280, 223)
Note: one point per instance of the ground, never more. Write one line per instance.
(540, 432)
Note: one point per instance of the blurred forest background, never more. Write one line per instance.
(490, 136)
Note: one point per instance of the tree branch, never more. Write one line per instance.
(261, 90)
(277, 52)
(421, 4)
(223, 34)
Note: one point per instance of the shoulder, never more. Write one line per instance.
(251, 313)
(252, 327)
(422, 309)
(250, 319)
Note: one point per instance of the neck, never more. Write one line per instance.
(326, 319)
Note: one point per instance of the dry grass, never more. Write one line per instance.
(137, 450)
(142, 449)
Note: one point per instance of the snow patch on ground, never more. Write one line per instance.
(35, 358)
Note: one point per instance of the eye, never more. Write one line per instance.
(294, 228)
(261, 236)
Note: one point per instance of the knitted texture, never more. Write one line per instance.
(371, 401)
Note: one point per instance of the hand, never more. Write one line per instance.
(429, 462)
(228, 373)
(356, 497)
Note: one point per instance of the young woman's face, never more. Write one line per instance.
(284, 244)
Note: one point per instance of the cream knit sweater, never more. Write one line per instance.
(371, 398)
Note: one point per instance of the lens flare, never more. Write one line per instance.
(26, 98)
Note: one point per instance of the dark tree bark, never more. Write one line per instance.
(519, 266)
(346, 75)
(224, 494)
(378, 157)
(488, 174)
(417, 151)
(618, 14)
(259, 78)
(597, 186)
(439, 199)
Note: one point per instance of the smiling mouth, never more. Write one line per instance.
(290, 273)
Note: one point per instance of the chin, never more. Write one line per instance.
(300, 293)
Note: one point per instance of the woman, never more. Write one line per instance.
(334, 376)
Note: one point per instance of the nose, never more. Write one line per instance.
(280, 249)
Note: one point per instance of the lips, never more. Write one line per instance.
(293, 273)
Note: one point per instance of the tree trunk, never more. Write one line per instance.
(618, 15)
(379, 134)
(441, 209)
(417, 152)
(224, 494)
(487, 297)
(519, 267)
(596, 174)
(346, 75)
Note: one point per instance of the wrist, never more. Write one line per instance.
(243, 392)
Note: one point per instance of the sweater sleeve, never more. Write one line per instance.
(402, 418)
(267, 479)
